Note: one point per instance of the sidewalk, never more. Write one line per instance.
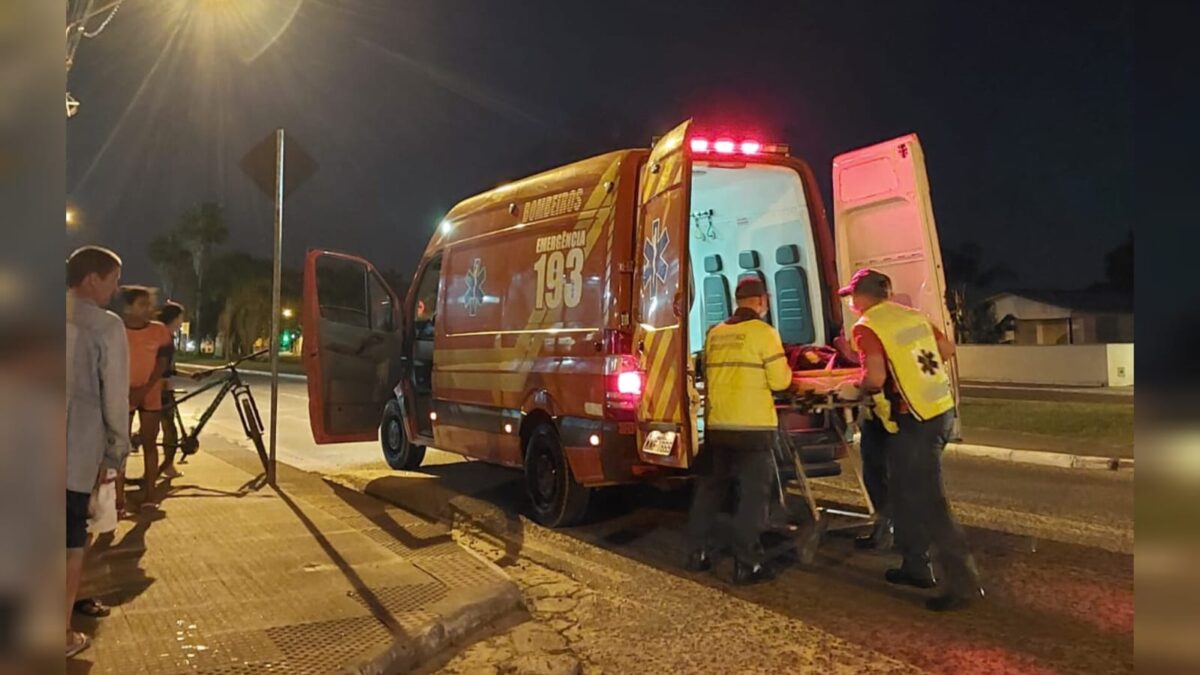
(315, 579)
(1017, 440)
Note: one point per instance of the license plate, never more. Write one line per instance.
(659, 443)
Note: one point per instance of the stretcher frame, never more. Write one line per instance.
(838, 412)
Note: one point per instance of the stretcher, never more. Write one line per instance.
(804, 522)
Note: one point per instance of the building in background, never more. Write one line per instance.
(1031, 317)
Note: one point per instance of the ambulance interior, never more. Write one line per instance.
(753, 220)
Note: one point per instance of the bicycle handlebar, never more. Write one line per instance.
(232, 365)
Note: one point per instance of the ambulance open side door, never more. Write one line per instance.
(352, 346)
(666, 408)
(883, 219)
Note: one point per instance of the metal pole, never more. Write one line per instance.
(276, 280)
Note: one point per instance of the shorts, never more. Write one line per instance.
(77, 518)
(153, 401)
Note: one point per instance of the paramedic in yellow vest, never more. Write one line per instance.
(744, 364)
(874, 429)
(904, 357)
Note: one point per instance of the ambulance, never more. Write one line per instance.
(555, 324)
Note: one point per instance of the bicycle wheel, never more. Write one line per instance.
(252, 424)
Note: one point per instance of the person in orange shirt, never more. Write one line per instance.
(150, 350)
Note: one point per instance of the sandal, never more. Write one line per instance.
(78, 642)
(91, 607)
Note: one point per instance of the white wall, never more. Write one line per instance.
(1064, 365)
(1120, 365)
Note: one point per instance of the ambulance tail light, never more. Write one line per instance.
(623, 382)
(629, 383)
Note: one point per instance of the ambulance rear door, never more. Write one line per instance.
(883, 219)
(666, 408)
(351, 326)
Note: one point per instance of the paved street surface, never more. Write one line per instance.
(1055, 547)
(229, 578)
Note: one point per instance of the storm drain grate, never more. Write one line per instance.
(327, 646)
(460, 571)
(399, 600)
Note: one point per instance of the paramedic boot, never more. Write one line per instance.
(914, 571)
(954, 601)
(699, 561)
(745, 573)
(880, 538)
(961, 577)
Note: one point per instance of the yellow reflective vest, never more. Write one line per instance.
(743, 364)
(913, 358)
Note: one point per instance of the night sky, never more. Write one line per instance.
(1024, 110)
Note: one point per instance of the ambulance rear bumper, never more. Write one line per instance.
(613, 461)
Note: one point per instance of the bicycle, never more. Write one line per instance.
(231, 382)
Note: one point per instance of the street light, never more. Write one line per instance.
(287, 313)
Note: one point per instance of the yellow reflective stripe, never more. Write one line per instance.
(774, 358)
(735, 364)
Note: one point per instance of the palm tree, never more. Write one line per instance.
(200, 229)
(172, 260)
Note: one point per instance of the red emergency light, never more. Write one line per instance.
(728, 146)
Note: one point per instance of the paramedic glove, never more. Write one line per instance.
(848, 391)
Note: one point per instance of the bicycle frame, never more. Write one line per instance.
(226, 384)
(247, 409)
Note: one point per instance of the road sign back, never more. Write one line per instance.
(259, 165)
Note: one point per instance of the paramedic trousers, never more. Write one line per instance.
(729, 456)
(921, 510)
(873, 449)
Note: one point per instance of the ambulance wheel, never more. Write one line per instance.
(558, 499)
(399, 452)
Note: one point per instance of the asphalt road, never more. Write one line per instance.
(1054, 545)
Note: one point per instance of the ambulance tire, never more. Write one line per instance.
(557, 499)
(398, 450)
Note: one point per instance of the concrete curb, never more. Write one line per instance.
(191, 367)
(1039, 457)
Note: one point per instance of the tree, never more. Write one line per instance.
(1118, 266)
(200, 229)
(238, 298)
(172, 261)
(967, 276)
(248, 311)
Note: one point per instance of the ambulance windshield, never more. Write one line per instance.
(753, 220)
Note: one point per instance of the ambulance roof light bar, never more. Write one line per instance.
(728, 146)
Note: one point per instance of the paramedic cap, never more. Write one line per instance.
(868, 281)
(750, 287)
